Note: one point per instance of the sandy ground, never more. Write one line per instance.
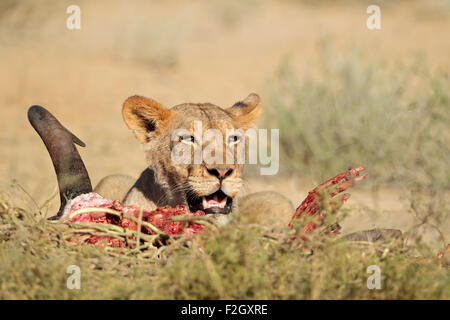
(194, 53)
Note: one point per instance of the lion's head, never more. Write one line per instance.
(193, 148)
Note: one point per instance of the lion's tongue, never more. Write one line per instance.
(213, 201)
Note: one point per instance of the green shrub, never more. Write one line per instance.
(396, 123)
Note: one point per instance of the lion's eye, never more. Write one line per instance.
(187, 139)
(234, 139)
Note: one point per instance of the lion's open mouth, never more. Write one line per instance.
(215, 203)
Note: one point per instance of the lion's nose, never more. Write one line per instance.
(220, 172)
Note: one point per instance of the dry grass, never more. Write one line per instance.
(242, 261)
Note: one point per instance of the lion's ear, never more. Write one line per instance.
(245, 112)
(143, 116)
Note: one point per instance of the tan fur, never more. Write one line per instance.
(164, 182)
(266, 206)
(115, 186)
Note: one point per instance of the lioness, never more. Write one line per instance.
(212, 188)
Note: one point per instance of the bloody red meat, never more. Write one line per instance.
(310, 207)
(161, 218)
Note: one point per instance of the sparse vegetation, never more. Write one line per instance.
(395, 121)
(243, 261)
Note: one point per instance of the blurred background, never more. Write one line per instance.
(342, 95)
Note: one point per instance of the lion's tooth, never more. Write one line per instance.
(223, 202)
(204, 203)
